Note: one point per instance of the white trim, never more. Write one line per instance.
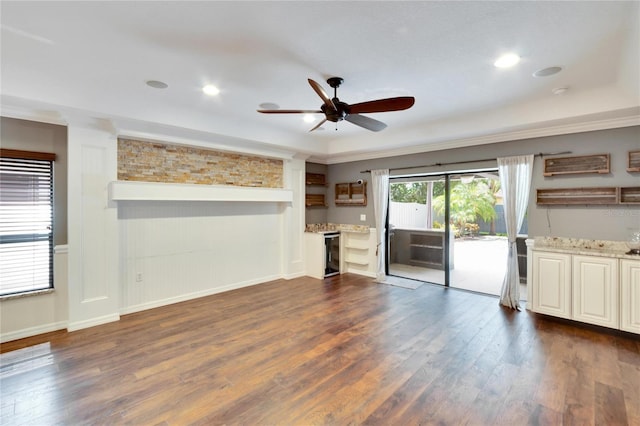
(92, 322)
(196, 295)
(61, 249)
(28, 113)
(507, 136)
(294, 275)
(151, 191)
(32, 331)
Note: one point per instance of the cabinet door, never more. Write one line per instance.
(630, 295)
(552, 284)
(595, 290)
(314, 254)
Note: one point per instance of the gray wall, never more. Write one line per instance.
(42, 137)
(591, 222)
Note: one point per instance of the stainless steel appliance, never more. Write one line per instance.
(331, 254)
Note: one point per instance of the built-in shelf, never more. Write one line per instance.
(427, 249)
(577, 164)
(355, 247)
(152, 191)
(359, 252)
(357, 262)
(582, 196)
(633, 164)
(421, 247)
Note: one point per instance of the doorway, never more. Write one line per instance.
(448, 229)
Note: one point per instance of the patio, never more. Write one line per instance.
(480, 264)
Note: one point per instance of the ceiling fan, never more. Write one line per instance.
(335, 110)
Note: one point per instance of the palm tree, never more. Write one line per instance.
(468, 202)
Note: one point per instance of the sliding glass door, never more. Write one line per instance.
(417, 228)
(449, 229)
(477, 224)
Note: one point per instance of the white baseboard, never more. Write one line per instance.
(32, 331)
(195, 295)
(294, 275)
(79, 325)
(364, 274)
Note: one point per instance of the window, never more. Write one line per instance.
(26, 221)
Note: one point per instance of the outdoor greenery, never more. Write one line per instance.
(468, 201)
(414, 192)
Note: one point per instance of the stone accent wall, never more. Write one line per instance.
(160, 162)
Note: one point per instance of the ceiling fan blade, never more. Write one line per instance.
(382, 105)
(318, 125)
(290, 111)
(320, 91)
(366, 122)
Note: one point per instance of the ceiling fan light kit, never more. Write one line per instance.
(335, 110)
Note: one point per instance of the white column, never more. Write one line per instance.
(93, 232)
(293, 261)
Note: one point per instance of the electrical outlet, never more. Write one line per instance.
(363, 218)
(139, 277)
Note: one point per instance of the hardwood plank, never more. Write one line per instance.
(339, 351)
(609, 405)
(544, 416)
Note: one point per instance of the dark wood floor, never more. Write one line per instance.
(342, 351)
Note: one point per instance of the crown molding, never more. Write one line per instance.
(513, 135)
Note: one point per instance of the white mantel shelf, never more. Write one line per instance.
(152, 191)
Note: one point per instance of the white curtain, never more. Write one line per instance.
(515, 180)
(380, 180)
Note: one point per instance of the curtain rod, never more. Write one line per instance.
(541, 154)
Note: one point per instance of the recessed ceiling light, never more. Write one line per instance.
(545, 72)
(269, 105)
(506, 61)
(309, 118)
(211, 90)
(560, 90)
(157, 84)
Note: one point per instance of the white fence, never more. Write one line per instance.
(407, 215)
(414, 215)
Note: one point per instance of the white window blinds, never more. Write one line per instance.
(26, 221)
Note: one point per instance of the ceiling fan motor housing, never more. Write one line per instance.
(337, 114)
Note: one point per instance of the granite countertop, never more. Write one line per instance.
(604, 248)
(324, 228)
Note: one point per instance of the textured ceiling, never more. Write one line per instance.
(63, 59)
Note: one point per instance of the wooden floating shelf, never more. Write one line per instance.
(634, 161)
(630, 195)
(351, 194)
(314, 200)
(317, 179)
(575, 165)
(584, 196)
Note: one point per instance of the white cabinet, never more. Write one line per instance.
(357, 253)
(595, 290)
(600, 290)
(552, 283)
(314, 254)
(630, 295)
